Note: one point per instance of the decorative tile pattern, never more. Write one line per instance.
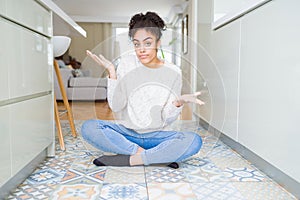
(73, 144)
(75, 177)
(244, 174)
(230, 162)
(164, 175)
(217, 191)
(45, 176)
(210, 142)
(58, 163)
(99, 175)
(124, 192)
(77, 192)
(85, 166)
(125, 175)
(197, 162)
(170, 191)
(25, 191)
(262, 191)
(221, 150)
(215, 173)
(202, 170)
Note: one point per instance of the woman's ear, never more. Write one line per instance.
(158, 44)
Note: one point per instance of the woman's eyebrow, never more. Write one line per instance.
(143, 39)
(147, 38)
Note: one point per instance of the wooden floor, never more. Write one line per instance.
(84, 110)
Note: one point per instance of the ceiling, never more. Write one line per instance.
(118, 11)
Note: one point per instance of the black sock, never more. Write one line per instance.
(116, 160)
(121, 160)
(174, 165)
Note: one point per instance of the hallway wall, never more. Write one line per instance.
(254, 84)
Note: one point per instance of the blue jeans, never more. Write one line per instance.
(160, 146)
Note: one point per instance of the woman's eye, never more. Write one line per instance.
(148, 44)
(136, 45)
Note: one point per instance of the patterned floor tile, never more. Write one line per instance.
(208, 144)
(202, 170)
(75, 177)
(229, 162)
(85, 165)
(216, 172)
(70, 175)
(170, 191)
(99, 175)
(197, 162)
(221, 150)
(210, 139)
(263, 191)
(204, 133)
(124, 191)
(164, 175)
(25, 191)
(204, 151)
(77, 192)
(72, 143)
(87, 154)
(125, 175)
(45, 176)
(58, 164)
(216, 191)
(244, 174)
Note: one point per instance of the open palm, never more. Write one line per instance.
(191, 98)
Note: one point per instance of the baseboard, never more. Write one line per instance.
(17, 179)
(276, 174)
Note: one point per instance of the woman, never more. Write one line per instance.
(145, 93)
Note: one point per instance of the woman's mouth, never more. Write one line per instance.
(143, 56)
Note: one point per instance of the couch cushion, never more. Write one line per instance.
(88, 82)
(80, 93)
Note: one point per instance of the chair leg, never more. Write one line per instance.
(58, 126)
(65, 99)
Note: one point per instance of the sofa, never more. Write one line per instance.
(81, 87)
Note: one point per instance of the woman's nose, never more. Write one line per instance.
(142, 48)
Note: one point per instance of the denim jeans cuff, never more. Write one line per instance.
(135, 149)
(144, 158)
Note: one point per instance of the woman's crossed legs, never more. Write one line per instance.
(139, 149)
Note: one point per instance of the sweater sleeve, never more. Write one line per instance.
(171, 112)
(116, 94)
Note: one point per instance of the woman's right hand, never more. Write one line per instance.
(103, 62)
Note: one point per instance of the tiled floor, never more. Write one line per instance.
(215, 173)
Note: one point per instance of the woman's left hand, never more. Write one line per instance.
(190, 98)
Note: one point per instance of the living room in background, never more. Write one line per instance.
(98, 38)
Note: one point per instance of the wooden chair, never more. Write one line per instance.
(67, 107)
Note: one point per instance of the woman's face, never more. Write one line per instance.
(146, 45)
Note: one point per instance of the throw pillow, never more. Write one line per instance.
(77, 73)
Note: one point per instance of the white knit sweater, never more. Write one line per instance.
(142, 97)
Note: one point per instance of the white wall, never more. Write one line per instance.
(257, 61)
(222, 7)
(270, 83)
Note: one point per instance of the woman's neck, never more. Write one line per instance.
(155, 63)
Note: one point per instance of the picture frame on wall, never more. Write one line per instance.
(185, 34)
